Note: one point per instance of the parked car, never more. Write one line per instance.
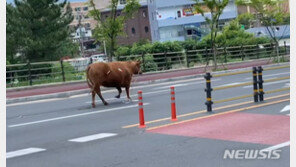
(99, 58)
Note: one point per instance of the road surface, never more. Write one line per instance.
(68, 132)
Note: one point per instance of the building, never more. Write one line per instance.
(281, 32)
(172, 20)
(136, 28)
(247, 9)
(80, 12)
(82, 26)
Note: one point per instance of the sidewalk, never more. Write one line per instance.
(138, 79)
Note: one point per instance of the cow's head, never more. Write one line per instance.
(137, 67)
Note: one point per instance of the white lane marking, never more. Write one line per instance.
(277, 146)
(286, 85)
(105, 91)
(269, 75)
(92, 137)
(286, 108)
(134, 95)
(113, 99)
(168, 86)
(37, 101)
(76, 115)
(269, 83)
(23, 152)
(234, 83)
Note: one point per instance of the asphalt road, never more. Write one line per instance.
(68, 132)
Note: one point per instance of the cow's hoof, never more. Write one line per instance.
(93, 106)
(118, 96)
(105, 103)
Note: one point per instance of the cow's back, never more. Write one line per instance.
(98, 72)
(120, 73)
(112, 74)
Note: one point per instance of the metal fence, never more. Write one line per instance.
(70, 70)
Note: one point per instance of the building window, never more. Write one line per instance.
(179, 13)
(85, 8)
(146, 29)
(77, 9)
(122, 2)
(133, 31)
(144, 13)
(189, 32)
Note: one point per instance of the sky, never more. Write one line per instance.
(11, 1)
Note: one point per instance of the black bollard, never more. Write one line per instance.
(260, 82)
(255, 86)
(208, 90)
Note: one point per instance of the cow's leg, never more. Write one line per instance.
(127, 93)
(93, 98)
(119, 92)
(98, 90)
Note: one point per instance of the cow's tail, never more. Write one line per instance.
(88, 81)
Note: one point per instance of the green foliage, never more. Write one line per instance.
(39, 28)
(271, 13)
(215, 8)
(158, 47)
(123, 51)
(233, 35)
(140, 48)
(245, 19)
(12, 34)
(150, 65)
(108, 29)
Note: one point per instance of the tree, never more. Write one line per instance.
(108, 29)
(215, 8)
(43, 28)
(246, 19)
(271, 14)
(233, 35)
(12, 34)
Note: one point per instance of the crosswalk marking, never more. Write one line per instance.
(286, 108)
(277, 146)
(92, 137)
(23, 152)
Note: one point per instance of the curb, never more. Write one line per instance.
(84, 91)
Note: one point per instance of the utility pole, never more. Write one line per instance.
(81, 36)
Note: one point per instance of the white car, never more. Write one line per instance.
(99, 58)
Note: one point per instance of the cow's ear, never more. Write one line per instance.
(139, 62)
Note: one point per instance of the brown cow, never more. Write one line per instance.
(114, 74)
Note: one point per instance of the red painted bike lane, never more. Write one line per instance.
(238, 127)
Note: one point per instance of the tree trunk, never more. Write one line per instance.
(214, 51)
(111, 52)
(277, 51)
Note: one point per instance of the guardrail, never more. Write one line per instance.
(69, 70)
(258, 84)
